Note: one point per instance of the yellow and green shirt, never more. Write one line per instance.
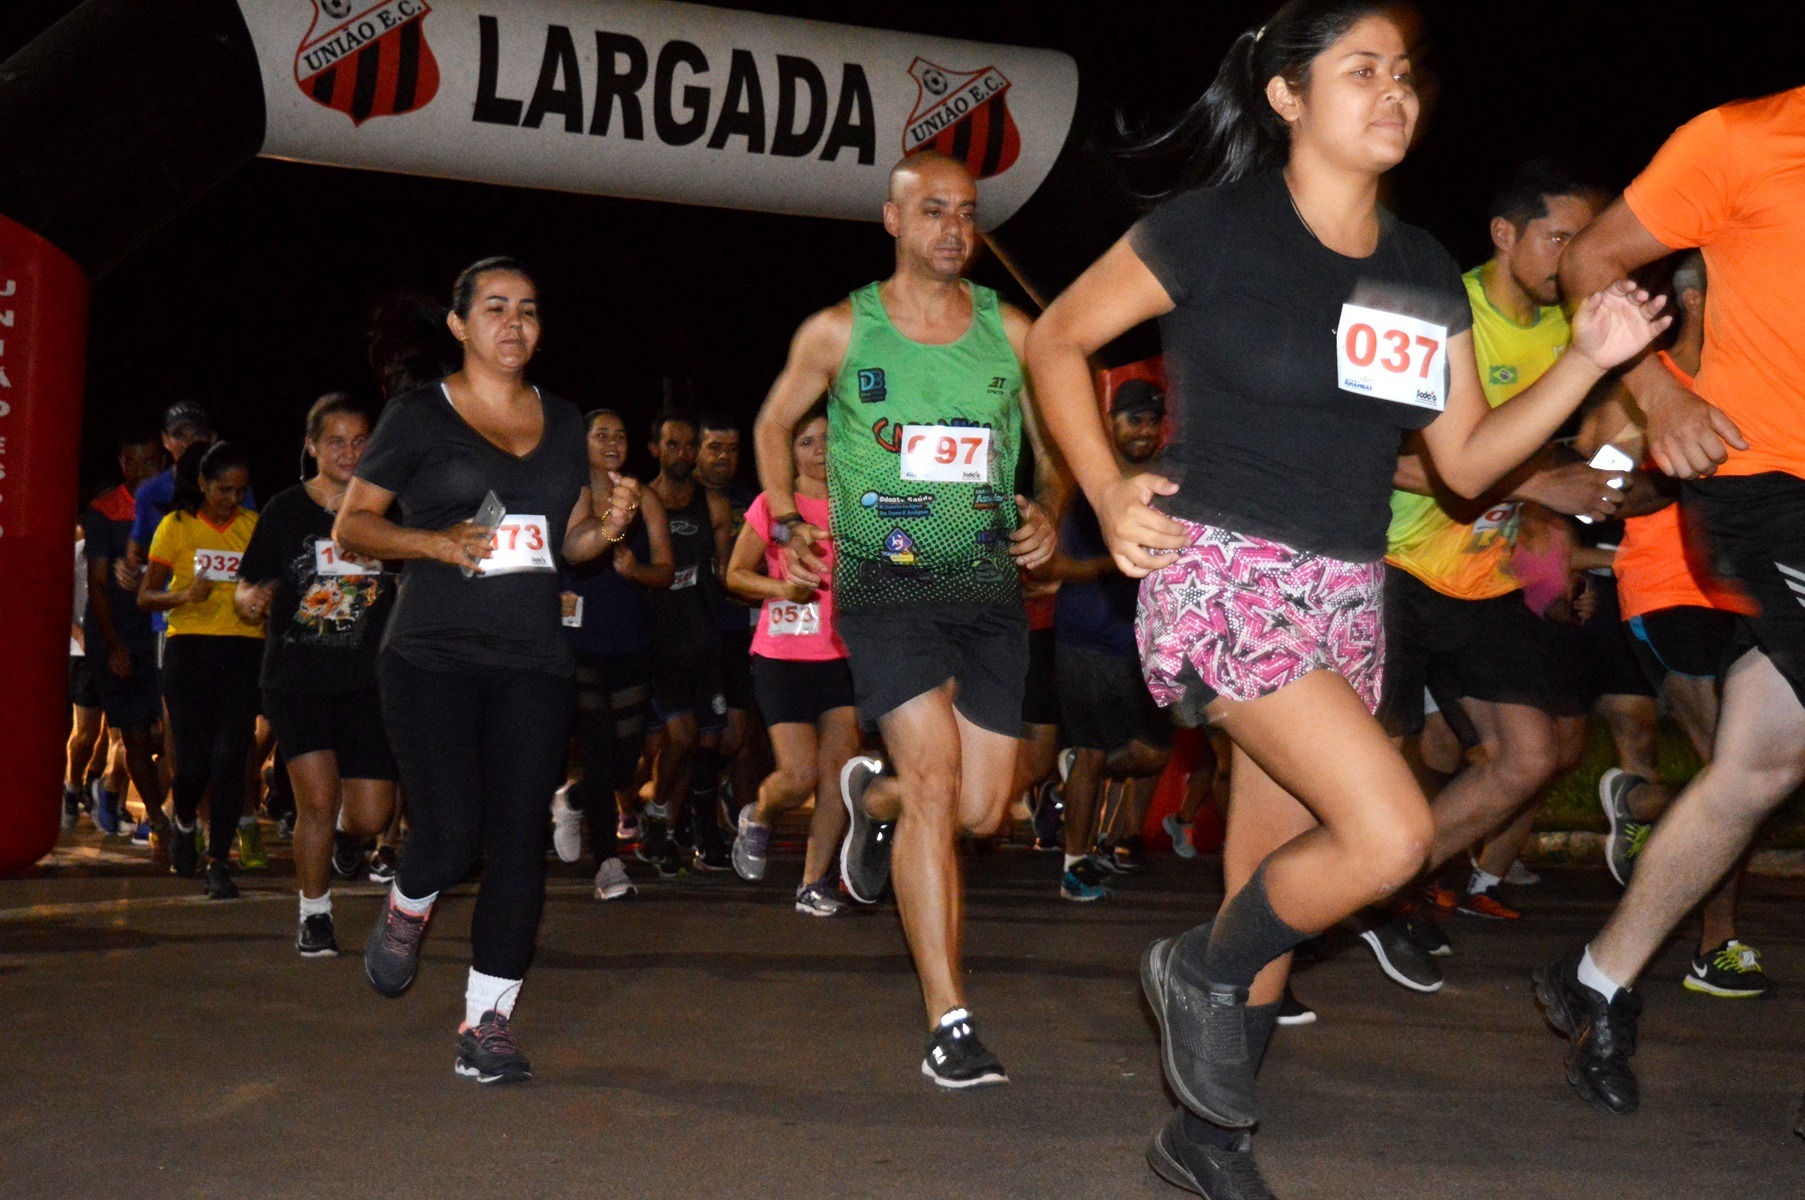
(1461, 559)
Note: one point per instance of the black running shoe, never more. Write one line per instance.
(1203, 1040)
(1400, 957)
(71, 808)
(488, 1053)
(392, 953)
(711, 859)
(219, 882)
(1130, 855)
(653, 838)
(1421, 928)
(382, 865)
(1049, 814)
(315, 938)
(1226, 1172)
(1293, 1011)
(669, 859)
(184, 855)
(865, 853)
(1601, 1034)
(957, 1059)
(347, 855)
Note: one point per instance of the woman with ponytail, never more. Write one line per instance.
(1306, 330)
(211, 658)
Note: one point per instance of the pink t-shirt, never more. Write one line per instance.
(788, 630)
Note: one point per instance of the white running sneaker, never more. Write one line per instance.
(1520, 875)
(611, 882)
(567, 827)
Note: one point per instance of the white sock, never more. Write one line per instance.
(1072, 860)
(485, 994)
(1597, 980)
(313, 907)
(413, 908)
(245, 822)
(1482, 881)
(654, 811)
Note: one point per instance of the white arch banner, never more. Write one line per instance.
(658, 101)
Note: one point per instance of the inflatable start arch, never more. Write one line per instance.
(124, 113)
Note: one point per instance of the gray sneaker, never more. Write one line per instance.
(1203, 1040)
(751, 846)
(865, 854)
(1216, 1172)
(1403, 960)
(821, 899)
(1623, 845)
(611, 882)
(392, 954)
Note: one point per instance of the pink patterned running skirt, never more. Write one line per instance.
(1243, 617)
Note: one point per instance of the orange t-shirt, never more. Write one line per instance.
(1654, 570)
(1732, 183)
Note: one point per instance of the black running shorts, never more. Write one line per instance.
(1040, 702)
(1595, 659)
(897, 654)
(347, 723)
(1104, 703)
(1687, 639)
(1755, 527)
(791, 692)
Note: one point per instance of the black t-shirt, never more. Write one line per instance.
(1265, 442)
(1098, 615)
(107, 526)
(685, 616)
(326, 621)
(440, 469)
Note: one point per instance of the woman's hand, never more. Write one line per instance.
(253, 600)
(623, 506)
(196, 592)
(797, 593)
(1616, 324)
(625, 561)
(1140, 537)
(465, 544)
(802, 561)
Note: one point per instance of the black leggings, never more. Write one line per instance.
(481, 750)
(612, 693)
(210, 685)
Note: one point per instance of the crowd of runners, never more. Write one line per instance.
(1393, 535)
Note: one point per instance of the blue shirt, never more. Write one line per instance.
(1098, 615)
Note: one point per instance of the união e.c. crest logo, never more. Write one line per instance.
(367, 58)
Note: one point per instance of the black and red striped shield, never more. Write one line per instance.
(964, 114)
(368, 58)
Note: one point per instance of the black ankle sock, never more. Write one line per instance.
(1245, 936)
(1261, 1018)
(705, 799)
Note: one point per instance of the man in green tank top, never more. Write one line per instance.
(926, 410)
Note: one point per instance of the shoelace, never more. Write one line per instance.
(400, 930)
(1638, 837)
(1240, 1167)
(1742, 960)
(495, 1037)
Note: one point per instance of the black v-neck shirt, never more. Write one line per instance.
(440, 468)
(1264, 442)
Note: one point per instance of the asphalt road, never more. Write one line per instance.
(703, 1040)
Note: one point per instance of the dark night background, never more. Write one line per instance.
(255, 300)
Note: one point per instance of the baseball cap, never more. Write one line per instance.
(1136, 396)
(185, 416)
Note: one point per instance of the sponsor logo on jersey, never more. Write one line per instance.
(985, 498)
(899, 549)
(368, 58)
(999, 386)
(871, 385)
(963, 114)
(1503, 376)
(684, 527)
(897, 507)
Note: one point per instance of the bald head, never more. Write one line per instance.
(930, 169)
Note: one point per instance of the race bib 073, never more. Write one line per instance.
(329, 558)
(1392, 357)
(789, 619)
(520, 543)
(946, 453)
(219, 565)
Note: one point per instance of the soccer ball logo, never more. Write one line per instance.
(336, 9)
(934, 81)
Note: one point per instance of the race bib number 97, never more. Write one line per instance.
(1392, 357)
(218, 565)
(519, 543)
(946, 453)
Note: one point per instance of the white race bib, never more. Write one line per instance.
(520, 543)
(789, 619)
(575, 619)
(220, 565)
(684, 578)
(329, 558)
(946, 453)
(1392, 357)
(1496, 517)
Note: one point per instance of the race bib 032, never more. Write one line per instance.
(218, 565)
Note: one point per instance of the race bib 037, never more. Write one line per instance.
(1392, 357)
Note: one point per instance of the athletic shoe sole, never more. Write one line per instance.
(987, 1079)
(329, 952)
(1371, 938)
(1165, 1164)
(1307, 1017)
(1153, 969)
(1084, 897)
(1554, 1005)
(507, 1075)
(1705, 987)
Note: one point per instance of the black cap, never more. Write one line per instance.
(1137, 396)
(185, 416)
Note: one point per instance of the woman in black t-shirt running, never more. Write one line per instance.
(491, 480)
(325, 609)
(1305, 329)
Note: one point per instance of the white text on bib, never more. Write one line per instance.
(1392, 357)
(946, 453)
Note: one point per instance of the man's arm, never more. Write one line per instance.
(1686, 436)
(816, 354)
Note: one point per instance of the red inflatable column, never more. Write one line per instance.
(43, 346)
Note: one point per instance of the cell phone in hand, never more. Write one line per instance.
(489, 516)
(1609, 458)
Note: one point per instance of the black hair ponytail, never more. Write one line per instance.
(1231, 132)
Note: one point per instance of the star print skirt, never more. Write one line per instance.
(1238, 616)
